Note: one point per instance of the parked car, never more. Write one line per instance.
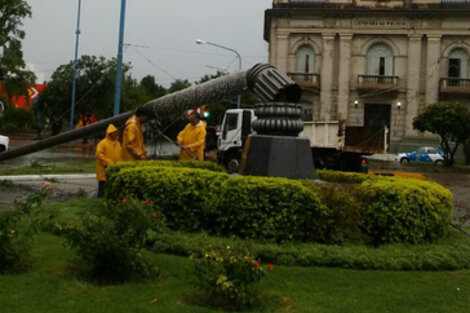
(4, 143)
(424, 154)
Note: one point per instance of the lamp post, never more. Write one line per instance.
(204, 42)
(117, 94)
(74, 84)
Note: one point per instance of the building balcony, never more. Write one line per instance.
(367, 83)
(306, 80)
(451, 85)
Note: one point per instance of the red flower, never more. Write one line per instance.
(124, 200)
(270, 267)
(247, 257)
(256, 264)
(154, 215)
(147, 202)
(69, 223)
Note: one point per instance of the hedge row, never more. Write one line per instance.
(249, 207)
(452, 253)
(341, 177)
(211, 166)
(377, 210)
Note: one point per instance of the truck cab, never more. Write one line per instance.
(236, 127)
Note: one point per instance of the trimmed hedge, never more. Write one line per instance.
(249, 207)
(342, 177)
(183, 195)
(378, 210)
(405, 210)
(452, 253)
(398, 209)
(269, 208)
(113, 170)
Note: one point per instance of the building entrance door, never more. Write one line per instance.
(377, 116)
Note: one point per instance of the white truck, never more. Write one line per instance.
(334, 145)
(4, 143)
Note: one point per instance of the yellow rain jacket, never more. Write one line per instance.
(108, 152)
(133, 140)
(194, 139)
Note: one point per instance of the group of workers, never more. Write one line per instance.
(110, 151)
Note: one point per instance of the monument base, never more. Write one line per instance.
(289, 157)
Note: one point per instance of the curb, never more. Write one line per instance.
(46, 177)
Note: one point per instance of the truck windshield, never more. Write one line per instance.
(231, 122)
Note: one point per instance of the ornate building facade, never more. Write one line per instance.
(373, 63)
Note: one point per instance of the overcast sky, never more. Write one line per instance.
(167, 28)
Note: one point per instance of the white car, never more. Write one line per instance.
(4, 143)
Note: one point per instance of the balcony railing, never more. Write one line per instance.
(307, 80)
(372, 80)
(455, 85)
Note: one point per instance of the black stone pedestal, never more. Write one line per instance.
(277, 156)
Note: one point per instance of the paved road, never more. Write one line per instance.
(65, 189)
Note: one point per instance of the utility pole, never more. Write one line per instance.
(74, 84)
(117, 95)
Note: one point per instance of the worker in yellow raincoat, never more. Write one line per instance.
(108, 152)
(133, 147)
(192, 139)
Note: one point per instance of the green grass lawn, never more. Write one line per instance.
(60, 167)
(50, 286)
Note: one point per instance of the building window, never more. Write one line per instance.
(380, 60)
(458, 63)
(305, 58)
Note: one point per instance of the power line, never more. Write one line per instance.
(153, 64)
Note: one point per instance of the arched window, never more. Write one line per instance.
(305, 60)
(380, 60)
(458, 63)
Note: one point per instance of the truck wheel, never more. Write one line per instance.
(2, 148)
(233, 165)
(439, 163)
(404, 160)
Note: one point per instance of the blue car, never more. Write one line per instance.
(424, 155)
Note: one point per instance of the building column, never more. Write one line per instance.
(327, 76)
(344, 75)
(282, 52)
(433, 69)
(413, 82)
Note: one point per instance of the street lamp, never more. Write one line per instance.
(205, 42)
(117, 91)
(74, 84)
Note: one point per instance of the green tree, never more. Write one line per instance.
(13, 74)
(451, 121)
(152, 88)
(95, 91)
(178, 85)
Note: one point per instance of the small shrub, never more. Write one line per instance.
(183, 195)
(16, 230)
(227, 276)
(344, 213)
(269, 208)
(109, 242)
(15, 242)
(405, 210)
